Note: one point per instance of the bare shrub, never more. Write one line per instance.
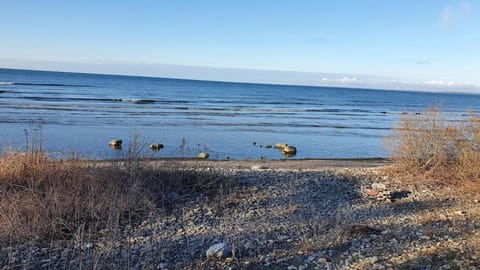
(424, 143)
(45, 199)
(436, 147)
(468, 164)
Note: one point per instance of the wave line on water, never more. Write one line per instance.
(45, 84)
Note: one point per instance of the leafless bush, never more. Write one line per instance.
(432, 145)
(44, 199)
(468, 165)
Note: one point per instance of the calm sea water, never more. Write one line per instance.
(80, 113)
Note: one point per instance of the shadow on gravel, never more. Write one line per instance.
(277, 220)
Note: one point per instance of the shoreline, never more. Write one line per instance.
(310, 164)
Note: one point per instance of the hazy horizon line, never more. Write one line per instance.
(242, 75)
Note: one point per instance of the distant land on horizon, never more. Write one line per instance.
(257, 79)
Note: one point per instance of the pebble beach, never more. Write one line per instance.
(294, 214)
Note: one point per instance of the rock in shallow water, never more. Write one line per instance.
(220, 250)
(156, 146)
(280, 145)
(115, 142)
(203, 155)
(289, 150)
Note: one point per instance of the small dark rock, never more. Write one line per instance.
(399, 195)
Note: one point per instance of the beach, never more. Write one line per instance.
(231, 135)
(294, 214)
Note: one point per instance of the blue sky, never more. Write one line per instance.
(390, 44)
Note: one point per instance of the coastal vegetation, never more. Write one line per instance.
(44, 199)
(435, 146)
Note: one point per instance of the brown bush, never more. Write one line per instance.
(435, 146)
(468, 165)
(44, 199)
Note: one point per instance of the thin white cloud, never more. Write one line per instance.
(423, 61)
(440, 83)
(348, 80)
(451, 15)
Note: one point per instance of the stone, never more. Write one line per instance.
(280, 146)
(156, 146)
(203, 155)
(396, 195)
(220, 250)
(370, 192)
(378, 186)
(289, 150)
(115, 143)
(258, 167)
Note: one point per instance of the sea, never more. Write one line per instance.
(77, 114)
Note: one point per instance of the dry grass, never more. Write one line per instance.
(45, 200)
(433, 147)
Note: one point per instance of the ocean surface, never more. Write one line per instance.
(77, 114)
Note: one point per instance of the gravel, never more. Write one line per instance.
(279, 218)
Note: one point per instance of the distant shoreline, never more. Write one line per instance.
(284, 84)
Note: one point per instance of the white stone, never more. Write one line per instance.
(378, 186)
(220, 250)
(258, 167)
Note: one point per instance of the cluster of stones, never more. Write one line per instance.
(116, 144)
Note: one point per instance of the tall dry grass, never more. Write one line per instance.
(438, 147)
(42, 199)
(45, 199)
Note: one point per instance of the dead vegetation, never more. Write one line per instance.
(44, 199)
(434, 147)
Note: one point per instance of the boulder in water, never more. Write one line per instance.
(203, 155)
(289, 150)
(156, 146)
(115, 143)
(280, 145)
